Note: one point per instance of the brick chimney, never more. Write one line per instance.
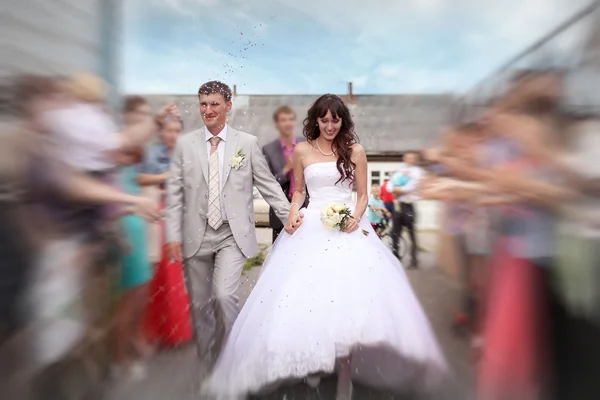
(350, 95)
(234, 90)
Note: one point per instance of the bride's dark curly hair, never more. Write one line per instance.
(345, 138)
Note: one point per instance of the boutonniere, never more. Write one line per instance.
(238, 160)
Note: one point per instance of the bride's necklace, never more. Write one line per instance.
(325, 154)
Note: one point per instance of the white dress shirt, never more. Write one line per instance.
(221, 150)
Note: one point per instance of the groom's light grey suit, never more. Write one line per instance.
(214, 258)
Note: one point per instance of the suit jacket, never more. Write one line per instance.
(274, 155)
(187, 191)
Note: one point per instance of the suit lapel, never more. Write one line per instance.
(201, 151)
(230, 150)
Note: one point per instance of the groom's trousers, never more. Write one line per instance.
(212, 277)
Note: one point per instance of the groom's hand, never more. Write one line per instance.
(294, 223)
(298, 221)
(174, 251)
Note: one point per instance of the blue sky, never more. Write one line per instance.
(316, 46)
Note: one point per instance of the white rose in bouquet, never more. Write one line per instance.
(338, 208)
(335, 216)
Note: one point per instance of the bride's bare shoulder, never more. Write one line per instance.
(357, 152)
(357, 148)
(302, 148)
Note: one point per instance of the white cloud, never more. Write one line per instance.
(487, 32)
(400, 78)
(475, 40)
(181, 70)
(523, 22)
(389, 71)
(513, 22)
(431, 6)
(359, 81)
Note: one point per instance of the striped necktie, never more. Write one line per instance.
(215, 219)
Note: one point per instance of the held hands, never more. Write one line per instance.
(294, 220)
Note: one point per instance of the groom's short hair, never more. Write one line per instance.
(216, 87)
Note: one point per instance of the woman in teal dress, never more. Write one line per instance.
(135, 265)
(134, 277)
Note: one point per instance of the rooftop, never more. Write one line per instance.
(385, 124)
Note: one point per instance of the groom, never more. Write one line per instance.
(210, 216)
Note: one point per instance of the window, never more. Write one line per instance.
(375, 177)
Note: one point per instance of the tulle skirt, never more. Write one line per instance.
(324, 295)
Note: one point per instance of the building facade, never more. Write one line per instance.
(387, 125)
(61, 37)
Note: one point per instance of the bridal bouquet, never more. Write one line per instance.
(336, 216)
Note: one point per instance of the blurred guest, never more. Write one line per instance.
(579, 240)
(279, 157)
(33, 96)
(153, 171)
(403, 186)
(386, 196)
(376, 211)
(167, 319)
(87, 138)
(135, 274)
(525, 318)
(34, 182)
(135, 110)
(466, 224)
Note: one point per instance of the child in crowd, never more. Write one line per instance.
(377, 209)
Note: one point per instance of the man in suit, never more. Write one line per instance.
(404, 184)
(279, 157)
(210, 220)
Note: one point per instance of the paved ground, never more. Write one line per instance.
(172, 373)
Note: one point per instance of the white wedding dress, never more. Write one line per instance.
(323, 295)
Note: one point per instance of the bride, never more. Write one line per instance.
(329, 301)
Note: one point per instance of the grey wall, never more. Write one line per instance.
(59, 37)
(384, 123)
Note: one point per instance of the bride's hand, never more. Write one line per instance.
(351, 225)
(294, 222)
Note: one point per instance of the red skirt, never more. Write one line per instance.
(511, 366)
(167, 320)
